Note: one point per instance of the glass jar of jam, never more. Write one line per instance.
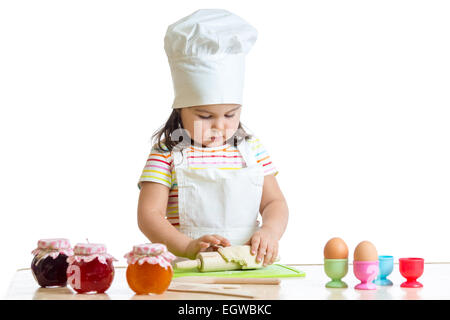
(149, 269)
(49, 265)
(90, 269)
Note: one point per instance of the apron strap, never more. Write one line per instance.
(247, 153)
(178, 159)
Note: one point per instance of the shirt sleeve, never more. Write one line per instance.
(262, 156)
(158, 167)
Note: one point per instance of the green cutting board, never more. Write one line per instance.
(272, 271)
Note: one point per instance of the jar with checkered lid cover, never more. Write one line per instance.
(149, 268)
(49, 265)
(91, 268)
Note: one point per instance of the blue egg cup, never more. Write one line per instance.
(386, 265)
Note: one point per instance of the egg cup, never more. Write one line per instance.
(366, 271)
(411, 269)
(386, 265)
(336, 269)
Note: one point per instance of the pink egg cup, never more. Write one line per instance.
(366, 271)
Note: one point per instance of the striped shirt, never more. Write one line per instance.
(159, 167)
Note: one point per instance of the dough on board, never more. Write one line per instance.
(241, 255)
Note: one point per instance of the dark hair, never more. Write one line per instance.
(166, 133)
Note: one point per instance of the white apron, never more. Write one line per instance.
(219, 201)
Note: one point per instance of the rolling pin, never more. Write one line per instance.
(225, 259)
(208, 262)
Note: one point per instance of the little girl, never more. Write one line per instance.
(206, 179)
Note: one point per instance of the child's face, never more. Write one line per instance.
(213, 124)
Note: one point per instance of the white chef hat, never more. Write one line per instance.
(206, 52)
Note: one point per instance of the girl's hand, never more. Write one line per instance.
(265, 245)
(205, 243)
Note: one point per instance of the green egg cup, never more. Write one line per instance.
(336, 269)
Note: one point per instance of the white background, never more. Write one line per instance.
(350, 98)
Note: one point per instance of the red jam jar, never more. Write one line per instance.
(149, 268)
(49, 265)
(90, 269)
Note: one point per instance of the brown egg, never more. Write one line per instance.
(335, 249)
(365, 251)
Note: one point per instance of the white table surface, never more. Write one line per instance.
(436, 281)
